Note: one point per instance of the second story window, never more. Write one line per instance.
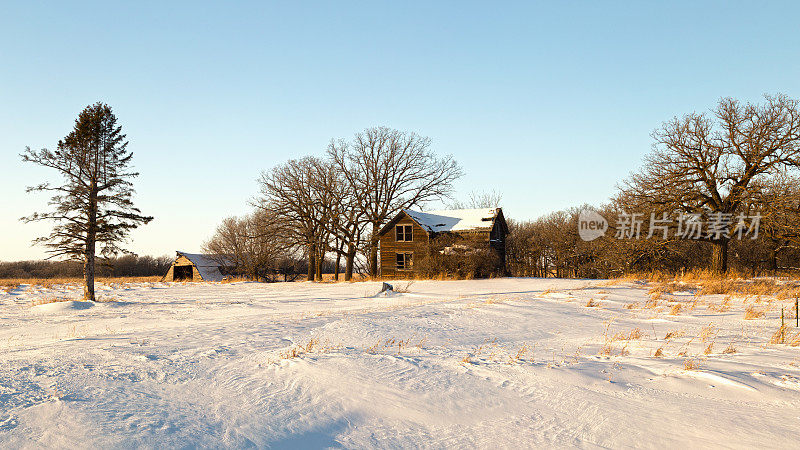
(403, 233)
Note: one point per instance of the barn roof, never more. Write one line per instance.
(207, 265)
(456, 220)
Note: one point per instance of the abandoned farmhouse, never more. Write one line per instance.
(456, 233)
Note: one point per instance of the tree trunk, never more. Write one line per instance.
(91, 242)
(88, 272)
(320, 261)
(336, 269)
(312, 265)
(773, 261)
(348, 264)
(719, 256)
(373, 251)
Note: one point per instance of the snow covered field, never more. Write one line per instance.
(486, 363)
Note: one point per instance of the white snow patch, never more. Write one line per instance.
(59, 307)
(455, 219)
(481, 363)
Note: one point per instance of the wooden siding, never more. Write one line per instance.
(389, 247)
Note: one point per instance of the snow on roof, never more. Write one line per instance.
(455, 219)
(207, 265)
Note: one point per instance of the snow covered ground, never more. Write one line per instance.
(485, 363)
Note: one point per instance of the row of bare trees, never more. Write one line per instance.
(551, 246)
(741, 159)
(335, 204)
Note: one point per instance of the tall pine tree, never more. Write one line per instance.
(92, 209)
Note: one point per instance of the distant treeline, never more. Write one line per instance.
(123, 266)
(551, 247)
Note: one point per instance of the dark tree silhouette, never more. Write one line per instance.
(93, 206)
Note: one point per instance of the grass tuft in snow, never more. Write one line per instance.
(753, 313)
(690, 364)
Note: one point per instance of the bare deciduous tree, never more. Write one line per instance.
(709, 164)
(392, 170)
(254, 246)
(93, 207)
(347, 221)
(486, 199)
(295, 192)
(777, 200)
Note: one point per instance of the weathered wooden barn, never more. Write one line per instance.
(411, 235)
(198, 267)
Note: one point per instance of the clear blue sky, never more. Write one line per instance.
(550, 103)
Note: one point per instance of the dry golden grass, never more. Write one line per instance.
(659, 352)
(634, 334)
(666, 287)
(729, 349)
(690, 364)
(10, 283)
(312, 346)
(794, 341)
(673, 334)
(409, 276)
(228, 280)
(708, 350)
(374, 349)
(676, 309)
(521, 352)
(633, 305)
(707, 332)
(705, 282)
(753, 313)
(404, 288)
(779, 337)
(592, 303)
(652, 303)
(653, 277)
(607, 349)
(722, 307)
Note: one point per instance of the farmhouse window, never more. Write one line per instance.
(403, 261)
(403, 233)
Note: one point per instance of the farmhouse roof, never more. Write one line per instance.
(455, 220)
